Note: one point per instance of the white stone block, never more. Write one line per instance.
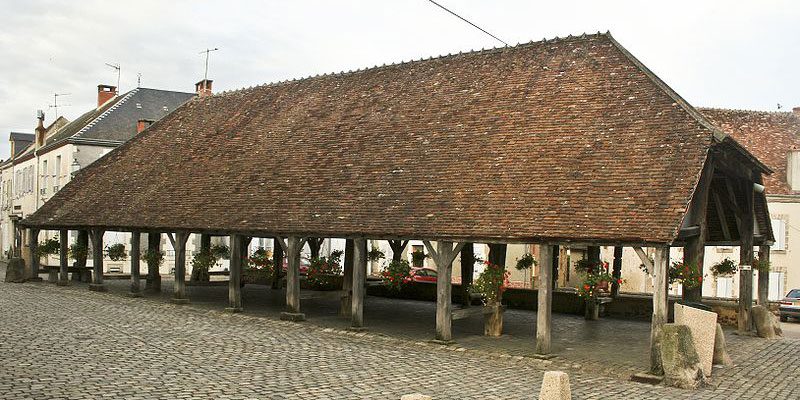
(415, 396)
(555, 386)
(703, 326)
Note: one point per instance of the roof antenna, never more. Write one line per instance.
(138, 79)
(207, 51)
(55, 105)
(117, 67)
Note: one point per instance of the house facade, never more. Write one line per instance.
(43, 162)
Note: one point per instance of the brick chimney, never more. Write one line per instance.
(41, 132)
(142, 124)
(203, 88)
(105, 93)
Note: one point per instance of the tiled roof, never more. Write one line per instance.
(569, 139)
(768, 135)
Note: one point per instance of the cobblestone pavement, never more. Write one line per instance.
(67, 342)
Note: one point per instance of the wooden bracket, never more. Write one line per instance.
(648, 263)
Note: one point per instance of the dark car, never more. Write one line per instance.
(790, 305)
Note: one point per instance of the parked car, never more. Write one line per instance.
(304, 263)
(790, 305)
(426, 275)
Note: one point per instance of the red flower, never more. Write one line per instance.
(700, 279)
(586, 287)
(619, 281)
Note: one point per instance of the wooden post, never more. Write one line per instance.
(235, 278)
(33, 248)
(179, 245)
(398, 247)
(746, 259)
(136, 252)
(359, 281)
(443, 257)
(554, 273)
(467, 271)
(545, 300)
(293, 247)
(277, 263)
(346, 305)
(63, 257)
(695, 249)
(763, 277)
(97, 284)
(205, 242)
(659, 308)
(153, 281)
(592, 311)
(314, 246)
(616, 271)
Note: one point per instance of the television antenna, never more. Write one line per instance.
(207, 51)
(55, 104)
(139, 80)
(117, 67)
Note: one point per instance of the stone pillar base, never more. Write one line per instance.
(233, 309)
(35, 279)
(135, 294)
(443, 342)
(179, 301)
(357, 328)
(63, 283)
(294, 317)
(98, 287)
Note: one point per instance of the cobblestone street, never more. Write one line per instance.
(67, 342)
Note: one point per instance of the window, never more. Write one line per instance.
(793, 170)
(779, 231)
(44, 176)
(724, 287)
(776, 286)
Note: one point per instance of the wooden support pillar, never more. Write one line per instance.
(314, 246)
(205, 242)
(544, 311)
(277, 263)
(746, 260)
(763, 277)
(347, 282)
(153, 281)
(97, 284)
(554, 272)
(443, 257)
(235, 278)
(616, 270)
(359, 283)
(63, 257)
(592, 311)
(33, 249)
(497, 254)
(659, 308)
(179, 245)
(398, 247)
(467, 271)
(136, 253)
(293, 246)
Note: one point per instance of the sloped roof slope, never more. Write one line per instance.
(768, 135)
(569, 139)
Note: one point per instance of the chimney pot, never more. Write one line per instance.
(203, 88)
(40, 130)
(105, 93)
(142, 124)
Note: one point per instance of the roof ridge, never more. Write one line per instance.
(745, 110)
(375, 67)
(105, 113)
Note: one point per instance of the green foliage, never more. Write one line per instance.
(527, 261)
(116, 252)
(259, 267)
(201, 262)
(491, 283)
(585, 266)
(78, 251)
(396, 275)
(48, 247)
(725, 267)
(375, 255)
(689, 275)
(761, 266)
(154, 258)
(322, 271)
(221, 251)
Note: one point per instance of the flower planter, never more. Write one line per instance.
(493, 319)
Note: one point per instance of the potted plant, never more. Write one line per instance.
(375, 255)
(202, 262)
(725, 267)
(259, 267)
(689, 275)
(490, 285)
(116, 252)
(153, 258)
(325, 273)
(396, 275)
(418, 258)
(48, 248)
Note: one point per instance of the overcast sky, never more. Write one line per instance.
(720, 54)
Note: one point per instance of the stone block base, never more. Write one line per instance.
(134, 294)
(357, 328)
(35, 279)
(644, 377)
(233, 309)
(294, 317)
(98, 287)
(15, 270)
(555, 386)
(63, 283)
(179, 301)
(544, 356)
(443, 342)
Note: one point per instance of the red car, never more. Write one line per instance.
(304, 263)
(426, 275)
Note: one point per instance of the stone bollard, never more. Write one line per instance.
(555, 386)
(702, 324)
(681, 363)
(415, 396)
(721, 356)
(763, 320)
(15, 271)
